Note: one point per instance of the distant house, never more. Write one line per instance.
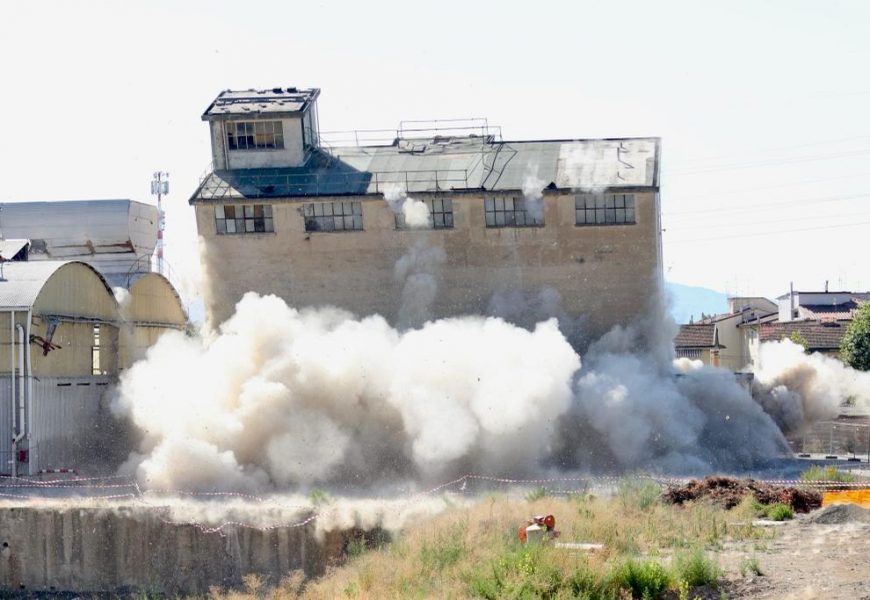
(699, 342)
(733, 340)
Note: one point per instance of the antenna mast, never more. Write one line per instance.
(159, 187)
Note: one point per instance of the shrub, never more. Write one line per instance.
(750, 565)
(829, 473)
(645, 580)
(779, 512)
(696, 569)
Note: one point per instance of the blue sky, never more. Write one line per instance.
(762, 106)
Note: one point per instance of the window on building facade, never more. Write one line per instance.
(440, 210)
(604, 209)
(243, 218)
(333, 216)
(95, 352)
(511, 212)
(255, 135)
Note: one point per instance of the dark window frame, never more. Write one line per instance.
(440, 213)
(255, 135)
(333, 217)
(243, 219)
(597, 210)
(500, 212)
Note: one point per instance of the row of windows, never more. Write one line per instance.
(255, 135)
(595, 209)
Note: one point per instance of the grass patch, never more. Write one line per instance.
(779, 512)
(829, 473)
(471, 550)
(750, 566)
(647, 580)
(695, 568)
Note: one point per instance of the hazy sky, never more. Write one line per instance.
(763, 107)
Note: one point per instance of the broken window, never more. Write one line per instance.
(333, 216)
(440, 210)
(604, 209)
(512, 212)
(243, 218)
(255, 135)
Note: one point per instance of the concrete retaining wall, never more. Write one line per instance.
(134, 548)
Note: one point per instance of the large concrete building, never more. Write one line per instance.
(289, 211)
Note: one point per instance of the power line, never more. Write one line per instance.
(756, 234)
(755, 222)
(776, 149)
(755, 206)
(765, 163)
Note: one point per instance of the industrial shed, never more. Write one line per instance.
(60, 353)
(151, 307)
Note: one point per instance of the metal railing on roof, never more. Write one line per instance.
(325, 183)
(469, 129)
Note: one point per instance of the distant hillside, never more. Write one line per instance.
(687, 300)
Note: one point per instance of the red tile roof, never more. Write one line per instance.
(819, 335)
(696, 336)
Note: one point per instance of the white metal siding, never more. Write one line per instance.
(65, 422)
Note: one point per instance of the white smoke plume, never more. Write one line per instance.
(418, 269)
(533, 193)
(798, 388)
(414, 212)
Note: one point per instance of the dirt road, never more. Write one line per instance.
(803, 561)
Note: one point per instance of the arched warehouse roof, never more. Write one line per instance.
(62, 288)
(153, 299)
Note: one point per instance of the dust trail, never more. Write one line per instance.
(417, 270)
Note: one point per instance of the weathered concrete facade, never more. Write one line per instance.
(575, 221)
(607, 273)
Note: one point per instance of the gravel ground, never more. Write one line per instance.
(804, 560)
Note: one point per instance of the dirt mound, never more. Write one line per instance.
(727, 492)
(836, 514)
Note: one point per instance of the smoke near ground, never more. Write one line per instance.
(282, 399)
(798, 388)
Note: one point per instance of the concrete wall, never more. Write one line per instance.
(126, 549)
(49, 546)
(292, 155)
(604, 273)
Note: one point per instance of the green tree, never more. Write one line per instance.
(798, 338)
(855, 347)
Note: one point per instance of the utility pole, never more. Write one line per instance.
(159, 187)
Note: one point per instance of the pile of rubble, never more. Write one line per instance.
(727, 492)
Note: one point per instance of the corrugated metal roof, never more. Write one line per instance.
(111, 235)
(22, 281)
(445, 164)
(273, 102)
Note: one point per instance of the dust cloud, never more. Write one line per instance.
(280, 399)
